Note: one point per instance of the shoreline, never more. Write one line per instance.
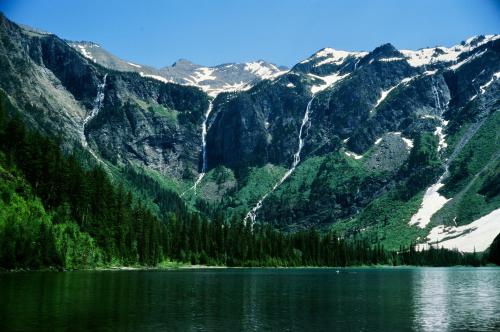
(221, 267)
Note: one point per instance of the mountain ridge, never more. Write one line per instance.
(211, 79)
(370, 129)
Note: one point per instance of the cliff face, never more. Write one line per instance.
(368, 112)
(349, 139)
(139, 121)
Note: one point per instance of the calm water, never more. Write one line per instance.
(414, 299)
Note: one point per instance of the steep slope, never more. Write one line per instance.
(371, 107)
(121, 117)
(394, 146)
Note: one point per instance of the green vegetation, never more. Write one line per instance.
(477, 153)
(31, 237)
(255, 184)
(384, 221)
(474, 181)
(55, 213)
(159, 193)
(423, 166)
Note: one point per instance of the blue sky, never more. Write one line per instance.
(211, 32)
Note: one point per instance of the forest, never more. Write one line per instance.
(57, 213)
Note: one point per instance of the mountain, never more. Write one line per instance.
(212, 80)
(393, 146)
(380, 131)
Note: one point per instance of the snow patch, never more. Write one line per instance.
(213, 92)
(483, 87)
(427, 116)
(466, 60)
(432, 202)
(290, 85)
(390, 59)
(263, 70)
(353, 155)
(477, 235)
(385, 93)
(200, 75)
(335, 61)
(328, 81)
(156, 77)
(134, 65)
(332, 56)
(408, 142)
(86, 53)
(427, 56)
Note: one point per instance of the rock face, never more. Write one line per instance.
(149, 122)
(371, 105)
(379, 92)
(382, 125)
(142, 121)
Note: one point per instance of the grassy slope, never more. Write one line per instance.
(476, 163)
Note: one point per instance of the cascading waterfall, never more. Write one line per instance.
(437, 102)
(95, 110)
(204, 164)
(436, 95)
(204, 138)
(252, 214)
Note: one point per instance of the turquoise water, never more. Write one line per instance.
(412, 299)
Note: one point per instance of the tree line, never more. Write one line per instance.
(57, 213)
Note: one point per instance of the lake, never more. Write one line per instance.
(371, 299)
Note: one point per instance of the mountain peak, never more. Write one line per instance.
(184, 64)
(385, 49)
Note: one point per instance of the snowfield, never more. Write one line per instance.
(426, 56)
(328, 81)
(476, 236)
(86, 53)
(260, 69)
(433, 201)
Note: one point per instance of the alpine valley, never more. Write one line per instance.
(366, 152)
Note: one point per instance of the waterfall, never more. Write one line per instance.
(204, 138)
(95, 110)
(252, 214)
(93, 113)
(204, 164)
(436, 95)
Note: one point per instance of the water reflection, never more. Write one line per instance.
(459, 299)
(253, 299)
